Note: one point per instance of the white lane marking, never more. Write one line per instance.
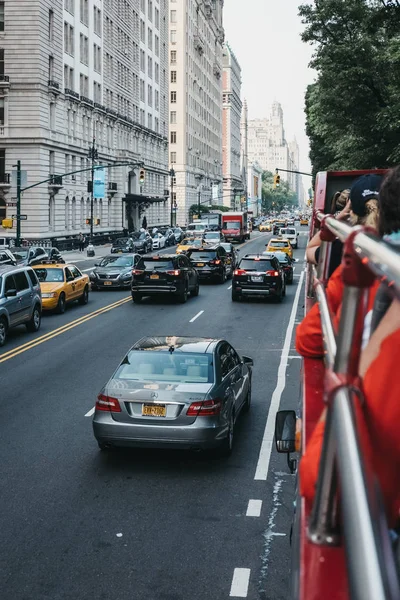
(230, 287)
(91, 411)
(277, 534)
(240, 583)
(254, 508)
(196, 316)
(86, 270)
(294, 356)
(266, 445)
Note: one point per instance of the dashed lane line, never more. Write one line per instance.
(196, 316)
(90, 412)
(254, 508)
(240, 583)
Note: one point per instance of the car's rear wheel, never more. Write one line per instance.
(284, 291)
(84, 299)
(34, 323)
(137, 298)
(235, 297)
(226, 447)
(247, 402)
(183, 296)
(195, 291)
(104, 446)
(94, 288)
(3, 331)
(279, 297)
(290, 280)
(61, 304)
(222, 277)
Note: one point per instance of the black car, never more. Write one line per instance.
(231, 252)
(113, 271)
(29, 255)
(277, 226)
(259, 276)
(122, 245)
(211, 262)
(167, 274)
(178, 234)
(287, 265)
(142, 242)
(169, 237)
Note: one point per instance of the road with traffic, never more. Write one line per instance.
(80, 524)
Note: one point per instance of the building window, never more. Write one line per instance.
(142, 31)
(173, 158)
(157, 18)
(150, 67)
(66, 213)
(84, 12)
(149, 38)
(157, 125)
(157, 45)
(52, 115)
(68, 39)
(149, 95)
(150, 10)
(142, 98)
(97, 58)
(173, 57)
(84, 49)
(69, 6)
(97, 21)
(173, 76)
(173, 137)
(156, 99)
(156, 72)
(68, 77)
(172, 117)
(172, 17)
(51, 21)
(173, 97)
(51, 67)
(84, 85)
(1, 110)
(150, 121)
(142, 6)
(143, 61)
(173, 36)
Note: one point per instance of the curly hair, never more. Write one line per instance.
(389, 203)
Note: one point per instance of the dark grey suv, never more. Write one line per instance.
(20, 299)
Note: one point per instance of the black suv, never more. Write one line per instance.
(277, 226)
(29, 255)
(211, 262)
(142, 242)
(259, 276)
(166, 274)
(287, 265)
(122, 245)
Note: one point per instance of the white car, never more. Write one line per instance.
(291, 234)
(158, 241)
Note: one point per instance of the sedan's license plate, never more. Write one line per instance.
(154, 277)
(257, 278)
(200, 265)
(108, 283)
(154, 410)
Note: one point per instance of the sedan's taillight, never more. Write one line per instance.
(272, 273)
(205, 408)
(176, 272)
(240, 272)
(215, 262)
(137, 272)
(107, 403)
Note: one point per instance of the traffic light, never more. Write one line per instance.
(7, 223)
(277, 180)
(97, 222)
(142, 176)
(88, 221)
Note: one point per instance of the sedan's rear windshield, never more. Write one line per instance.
(288, 231)
(155, 265)
(256, 265)
(167, 367)
(279, 244)
(201, 254)
(50, 275)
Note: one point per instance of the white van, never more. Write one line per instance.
(291, 234)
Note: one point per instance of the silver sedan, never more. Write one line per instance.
(174, 392)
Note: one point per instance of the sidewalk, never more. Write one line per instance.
(75, 256)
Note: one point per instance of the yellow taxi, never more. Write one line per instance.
(303, 221)
(280, 244)
(188, 243)
(61, 284)
(266, 226)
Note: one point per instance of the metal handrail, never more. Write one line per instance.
(370, 563)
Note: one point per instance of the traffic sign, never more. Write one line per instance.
(20, 218)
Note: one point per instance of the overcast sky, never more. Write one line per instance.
(265, 37)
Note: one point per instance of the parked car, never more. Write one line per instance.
(55, 254)
(158, 241)
(169, 237)
(20, 299)
(7, 257)
(165, 275)
(122, 245)
(29, 255)
(179, 234)
(175, 392)
(113, 271)
(61, 284)
(142, 242)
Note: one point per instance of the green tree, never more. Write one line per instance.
(353, 109)
(275, 198)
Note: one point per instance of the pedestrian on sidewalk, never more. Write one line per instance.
(81, 239)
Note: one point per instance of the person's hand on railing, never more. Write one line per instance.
(345, 213)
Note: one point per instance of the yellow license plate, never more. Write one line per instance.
(154, 410)
(200, 264)
(108, 283)
(154, 277)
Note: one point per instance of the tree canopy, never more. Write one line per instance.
(275, 198)
(353, 108)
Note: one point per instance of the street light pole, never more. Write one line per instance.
(93, 155)
(172, 175)
(18, 236)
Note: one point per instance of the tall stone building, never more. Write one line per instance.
(269, 147)
(76, 71)
(244, 152)
(195, 102)
(231, 116)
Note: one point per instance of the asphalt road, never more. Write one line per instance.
(142, 525)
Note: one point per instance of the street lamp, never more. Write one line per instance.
(172, 175)
(198, 178)
(93, 155)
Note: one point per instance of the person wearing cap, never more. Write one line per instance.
(361, 209)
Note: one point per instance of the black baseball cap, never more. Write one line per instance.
(363, 189)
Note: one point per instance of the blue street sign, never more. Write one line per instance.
(99, 187)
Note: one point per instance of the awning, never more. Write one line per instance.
(139, 199)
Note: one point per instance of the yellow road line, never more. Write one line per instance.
(56, 332)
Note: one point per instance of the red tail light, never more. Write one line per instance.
(272, 273)
(176, 272)
(205, 408)
(215, 262)
(107, 403)
(240, 272)
(137, 272)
